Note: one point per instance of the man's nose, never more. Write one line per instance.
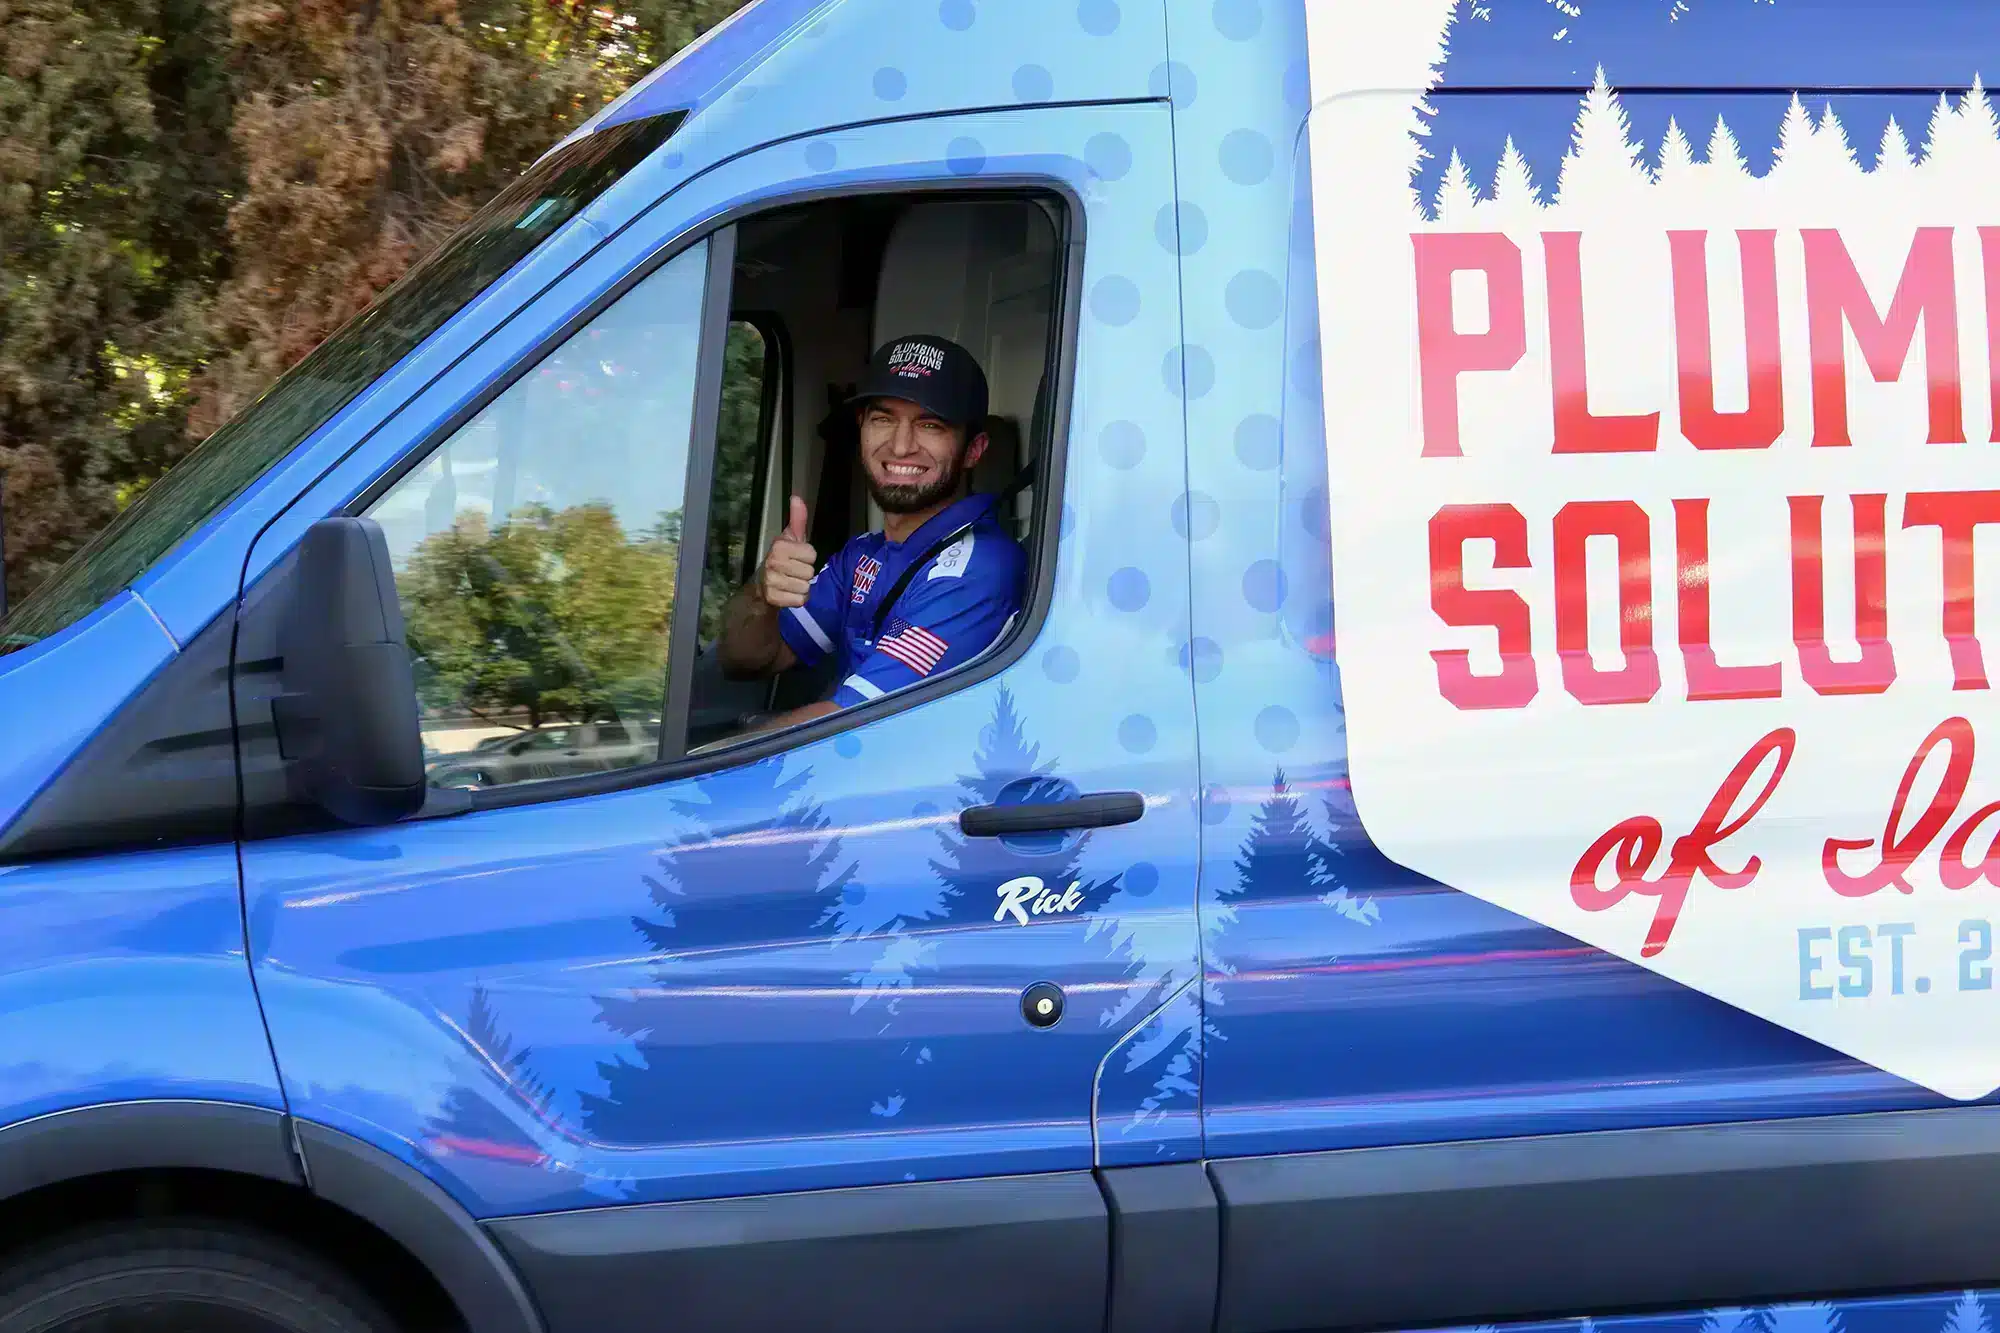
(904, 442)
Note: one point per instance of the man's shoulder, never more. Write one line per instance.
(867, 544)
(986, 555)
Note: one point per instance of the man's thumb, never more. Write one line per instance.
(796, 529)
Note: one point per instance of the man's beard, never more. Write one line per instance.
(894, 499)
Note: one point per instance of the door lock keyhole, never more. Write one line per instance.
(1042, 1004)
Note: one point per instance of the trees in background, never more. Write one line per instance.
(552, 614)
(116, 178)
(193, 193)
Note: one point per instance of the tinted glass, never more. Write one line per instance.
(742, 462)
(520, 218)
(535, 550)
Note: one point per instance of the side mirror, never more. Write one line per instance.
(347, 711)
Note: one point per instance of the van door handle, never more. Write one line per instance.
(1101, 809)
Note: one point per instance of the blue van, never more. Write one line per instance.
(1357, 788)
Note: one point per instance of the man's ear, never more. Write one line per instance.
(976, 449)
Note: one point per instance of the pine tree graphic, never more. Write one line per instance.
(1758, 1319)
(963, 882)
(899, 908)
(970, 870)
(1514, 188)
(1604, 165)
(1328, 858)
(767, 872)
(1807, 1317)
(1279, 857)
(1283, 856)
(468, 1123)
(1967, 1316)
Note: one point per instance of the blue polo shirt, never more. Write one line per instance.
(949, 613)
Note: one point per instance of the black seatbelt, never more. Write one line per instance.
(909, 572)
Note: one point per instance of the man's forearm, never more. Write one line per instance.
(751, 642)
(779, 721)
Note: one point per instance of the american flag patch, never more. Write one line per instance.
(916, 648)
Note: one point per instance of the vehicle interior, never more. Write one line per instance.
(817, 289)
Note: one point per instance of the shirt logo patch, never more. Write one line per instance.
(916, 648)
(865, 570)
(952, 560)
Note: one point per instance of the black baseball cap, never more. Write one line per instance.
(934, 373)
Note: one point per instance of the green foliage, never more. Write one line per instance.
(115, 181)
(194, 193)
(555, 614)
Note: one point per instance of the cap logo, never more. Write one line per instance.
(916, 359)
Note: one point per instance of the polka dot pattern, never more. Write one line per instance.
(1189, 372)
(1202, 659)
(1175, 80)
(957, 15)
(891, 84)
(1181, 229)
(1306, 371)
(1099, 18)
(965, 156)
(1238, 20)
(1277, 729)
(1061, 664)
(1115, 300)
(1264, 586)
(1129, 589)
(1254, 299)
(821, 155)
(1032, 83)
(1138, 734)
(1196, 516)
(1123, 445)
(1108, 156)
(1257, 442)
(1246, 157)
(1312, 511)
(1140, 879)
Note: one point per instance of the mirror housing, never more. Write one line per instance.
(346, 713)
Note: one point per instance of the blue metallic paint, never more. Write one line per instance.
(123, 977)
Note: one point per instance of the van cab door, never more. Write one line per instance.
(603, 1011)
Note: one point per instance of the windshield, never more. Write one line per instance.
(499, 236)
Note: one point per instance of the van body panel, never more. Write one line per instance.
(60, 692)
(790, 69)
(123, 978)
(873, 995)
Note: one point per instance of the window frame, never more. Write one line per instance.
(720, 233)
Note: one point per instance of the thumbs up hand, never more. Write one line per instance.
(788, 568)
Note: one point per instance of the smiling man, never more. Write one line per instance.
(933, 589)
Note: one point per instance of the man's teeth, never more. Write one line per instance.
(898, 470)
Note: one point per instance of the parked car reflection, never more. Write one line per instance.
(553, 750)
